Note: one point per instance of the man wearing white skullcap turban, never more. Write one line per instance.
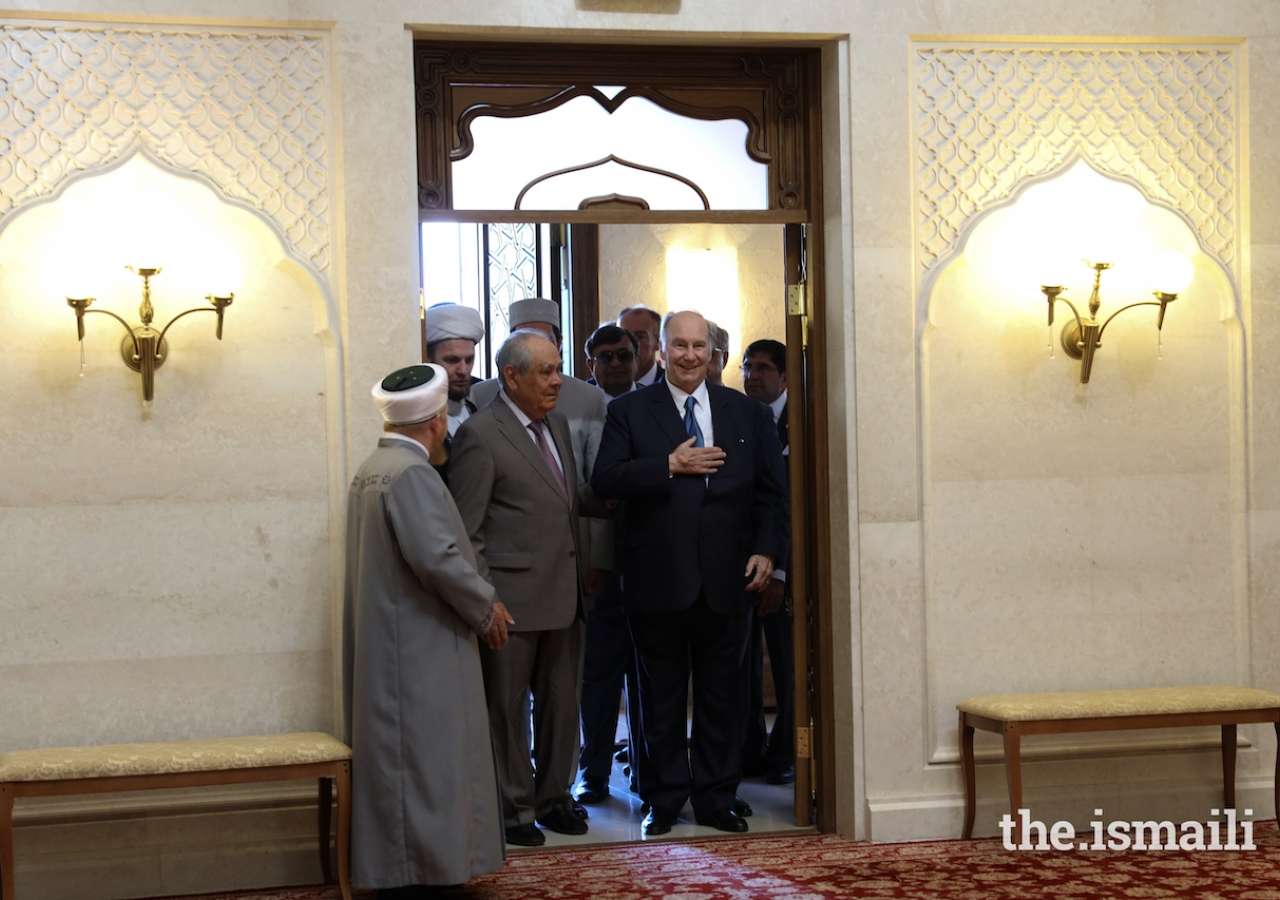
(425, 807)
(452, 334)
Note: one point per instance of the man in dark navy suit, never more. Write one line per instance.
(704, 519)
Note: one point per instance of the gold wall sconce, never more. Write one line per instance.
(143, 348)
(1082, 336)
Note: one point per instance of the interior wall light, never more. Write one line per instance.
(143, 348)
(1082, 336)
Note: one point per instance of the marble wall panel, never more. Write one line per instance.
(1265, 376)
(113, 701)
(145, 580)
(885, 387)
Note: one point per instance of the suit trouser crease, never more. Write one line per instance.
(534, 776)
(670, 647)
(609, 666)
(775, 748)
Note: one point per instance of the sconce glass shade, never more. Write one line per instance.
(77, 282)
(224, 272)
(1173, 272)
(1058, 269)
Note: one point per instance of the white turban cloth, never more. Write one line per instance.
(451, 321)
(535, 309)
(412, 395)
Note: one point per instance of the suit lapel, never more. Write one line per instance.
(722, 422)
(522, 441)
(664, 412)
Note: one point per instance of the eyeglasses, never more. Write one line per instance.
(759, 368)
(604, 357)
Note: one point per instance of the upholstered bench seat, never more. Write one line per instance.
(1015, 715)
(173, 764)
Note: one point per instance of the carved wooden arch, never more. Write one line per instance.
(765, 89)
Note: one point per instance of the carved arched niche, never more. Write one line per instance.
(991, 117)
(248, 112)
(1076, 537)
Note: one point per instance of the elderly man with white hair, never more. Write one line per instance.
(425, 805)
(699, 469)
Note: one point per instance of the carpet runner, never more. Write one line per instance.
(825, 867)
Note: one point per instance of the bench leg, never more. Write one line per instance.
(343, 784)
(1229, 766)
(970, 782)
(1013, 769)
(326, 809)
(6, 842)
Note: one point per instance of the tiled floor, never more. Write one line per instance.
(618, 819)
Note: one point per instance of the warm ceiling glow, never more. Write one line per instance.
(1041, 239)
(706, 280)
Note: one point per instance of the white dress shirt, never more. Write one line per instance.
(649, 377)
(701, 409)
(459, 412)
(776, 407)
(525, 421)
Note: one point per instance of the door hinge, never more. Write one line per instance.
(804, 742)
(797, 300)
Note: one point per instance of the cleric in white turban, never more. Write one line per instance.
(425, 807)
(452, 334)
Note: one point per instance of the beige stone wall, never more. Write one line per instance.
(893, 680)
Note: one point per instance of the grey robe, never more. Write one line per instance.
(426, 808)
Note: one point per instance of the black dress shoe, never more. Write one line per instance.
(623, 755)
(742, 807)
(526, 835)
(580, 811)
(781, 775)
(724, 820)
(658, 821)
(593, 790)
(563, 820)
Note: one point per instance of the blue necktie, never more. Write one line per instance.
(691, 424)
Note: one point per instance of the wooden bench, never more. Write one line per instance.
(140, 767)
(1015, 715)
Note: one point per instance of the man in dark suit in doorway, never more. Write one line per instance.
(644, 323)
(770, 753)
(700, 470)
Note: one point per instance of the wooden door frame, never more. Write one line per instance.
(796, 197)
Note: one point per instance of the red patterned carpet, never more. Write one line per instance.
(821, 867)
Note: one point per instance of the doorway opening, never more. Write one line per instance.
(604, 178)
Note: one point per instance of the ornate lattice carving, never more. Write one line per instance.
(513, 261)
(768, 91)
(989, 118)
(246, 111)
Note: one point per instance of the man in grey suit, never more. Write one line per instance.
(516, 485)
(584, 405)
(425, 807)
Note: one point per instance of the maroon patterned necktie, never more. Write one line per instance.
(544, 447)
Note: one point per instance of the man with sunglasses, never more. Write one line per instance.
(610, 659)
(612, 357)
